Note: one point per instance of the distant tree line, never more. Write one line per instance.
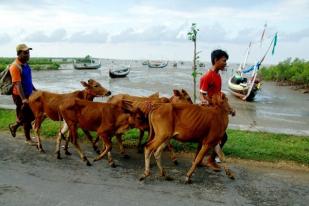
(289, 71)
(35, 63)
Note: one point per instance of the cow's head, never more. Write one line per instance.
(181, 96)
(137, 119)
(220, 100)
(95, 89)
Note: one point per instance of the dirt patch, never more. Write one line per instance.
(28, 177)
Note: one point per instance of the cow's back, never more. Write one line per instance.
(48, 103)
(186, 122)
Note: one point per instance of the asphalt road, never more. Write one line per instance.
(28, 177)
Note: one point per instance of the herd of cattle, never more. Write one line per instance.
(165, 118)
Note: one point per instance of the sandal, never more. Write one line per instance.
(12, 130)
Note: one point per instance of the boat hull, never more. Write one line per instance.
(157, 64)
(80, 67)
(241, 90)
(121, 73)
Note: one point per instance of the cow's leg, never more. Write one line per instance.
(107, 149)
(73, 135)
(158, 155)
(221, 156)
(197, 160)
(172, 153)
(93, 142)
(150, 148)
(61, 135)
(64, 130)
(36, 127)
(139, 143)
(121, 147)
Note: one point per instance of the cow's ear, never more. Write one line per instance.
(184, 91)
(176, 92)
(90, 81)
(85, 84)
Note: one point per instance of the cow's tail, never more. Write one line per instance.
(151, 130)
(60, 119)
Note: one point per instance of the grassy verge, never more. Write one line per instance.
(241, 144)
(35, 63)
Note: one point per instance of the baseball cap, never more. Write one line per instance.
(22, 47)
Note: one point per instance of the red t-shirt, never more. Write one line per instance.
(210, 83)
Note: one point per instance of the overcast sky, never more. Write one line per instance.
(154, 29)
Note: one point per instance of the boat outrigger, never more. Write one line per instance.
(245, 82)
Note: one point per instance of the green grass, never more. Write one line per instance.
(260, 146)
(35, 63)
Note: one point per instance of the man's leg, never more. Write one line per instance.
(14, 126)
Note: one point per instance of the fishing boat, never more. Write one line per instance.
(245, 87)
(145, 62)
(86, 63)
(119, 73)
(157, 64)
(245, 82)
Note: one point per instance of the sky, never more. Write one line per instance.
(155, 29)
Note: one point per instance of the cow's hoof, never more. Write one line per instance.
(41, 150)
(142, 178)
(88, 163)
(67, 152)
(126, 156)
(230, 174)
(113, 165)
(58, 156)
(168, 178)
(175, 162)
(188, 180)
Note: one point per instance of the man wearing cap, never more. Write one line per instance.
(22, 88)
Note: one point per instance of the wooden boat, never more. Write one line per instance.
(243, 87)
(119, 73)
(244, 83)
(87, 63)
(157, 64)
(145, 62)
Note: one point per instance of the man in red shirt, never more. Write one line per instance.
(22, 88)
(210, 83)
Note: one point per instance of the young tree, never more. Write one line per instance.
(192, 36)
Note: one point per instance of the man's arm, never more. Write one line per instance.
(21, 92)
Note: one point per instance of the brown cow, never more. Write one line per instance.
(188, 123)
(106, 119)
(144, 105)
(46, 104)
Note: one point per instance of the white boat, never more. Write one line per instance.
(245, 83)
(157, 64)
(86, 63)
(245, 87)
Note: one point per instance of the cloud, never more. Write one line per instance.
(295, 36)
(58, 35)
(156, 33)
(88, 37)
(4, 38)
